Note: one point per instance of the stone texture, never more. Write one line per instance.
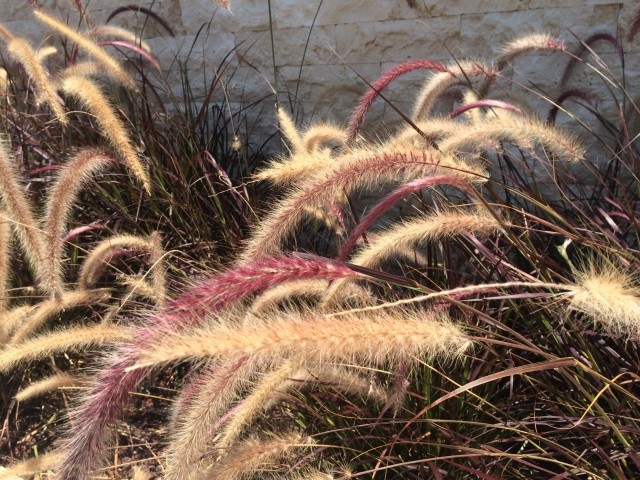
(367, 36)
(484, 34)
(398, 40)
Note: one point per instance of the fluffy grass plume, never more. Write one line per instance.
(94, 99)
(61, 341)
(439, 83)
(197, 414)
(101, 255)
(307, 156)
(18, 211)
(282, 380)
(111, 66)
(287, 292)
(290, 131)
(105, 31)
(227, 287)
(312, 338)
(248, 458)
(453, 179)
(437, 226)
(5, 265)
(31, 467)
(359, 170)
(158, 274)
(45, 385)
(48, 309)
(62, 195)
(405, 236)
(525, 132)
(528, 43)
(111, 392)
(609, 297)
(261, 397)
(317, 135)
(294, 169)
(20, 50)
(12, 319)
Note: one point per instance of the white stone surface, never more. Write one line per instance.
(369, 35)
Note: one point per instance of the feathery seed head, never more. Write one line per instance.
(90, 94)
(357, 170)
(528, 43)
(609, 297)
(290, 131)
(312, 338)
(110, 65)
(20, 50)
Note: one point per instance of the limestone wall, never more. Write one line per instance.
(348, 39)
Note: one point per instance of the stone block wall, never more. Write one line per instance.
(318, 64)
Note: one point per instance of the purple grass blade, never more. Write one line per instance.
(146, 11)
(573, 93)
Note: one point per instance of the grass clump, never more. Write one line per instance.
(437, 317)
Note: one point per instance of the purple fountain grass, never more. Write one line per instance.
(70, 180)
(276, 380)
(283, 379)
(289, 130)
(608, 296)
(113, 128)
(357, 171)
(398, 194)
(311, 338)
(48, 344)
(158, 274)
(20, 50)
(314, 137)
(523, 131)
(281, 295)
(199, 413)
(111, 66)
(53, 382)
(121, 33)
(528, 43)
(19, 213)
(294, 169)
(254, 454)
(221, 290)
(31, 467)
(47, 310)
(460, 73)
(111, 392)
(106, 251)
(520, 46)
(404, 237)
(357, 118)
(5, 265)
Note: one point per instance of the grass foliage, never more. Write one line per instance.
(458, 298)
